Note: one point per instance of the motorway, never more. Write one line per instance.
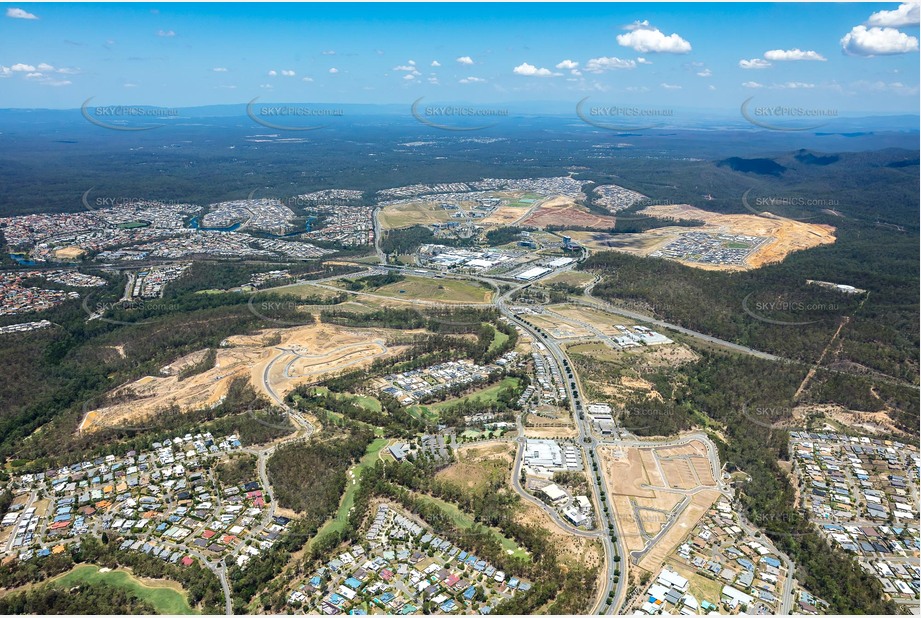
(611, 549)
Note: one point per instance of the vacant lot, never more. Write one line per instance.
(412, 213)
(564, 211)
(478, 466)
(442, 290)
(650, 486)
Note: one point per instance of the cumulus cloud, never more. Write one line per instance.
(288, 73)
(273, 73)
(467, 60)
(471, 80)
(908, 14)
(435, 63)
(863, 41)
(219, 69)
(333, 71)
(409, 76)
(645, 39)
(410, 68)
(642, 60)
(5, 71)
(781, 55)
(670, 86)
(530, 70)
(568, 64)
(793, 86)
(752, 85)
(19, 14)
(307, 79)
(24, 68)
(754, 63)
(705, 73)
(599, 65)
(166, 33)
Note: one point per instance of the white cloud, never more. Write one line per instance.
(411, 62)
(638, 25)
(33, 75)
(45, 67)
(467, 60)
(598, 65)
(705, 73)
(56, 83)
(273, 73)
(307, 79)
(530, 70)
(861, 41)
(781, 55)
(711, 87)
(637, 89)
(328, 52)
(68, 70)
(908, 14)
(642, 60)
(219, 69)
(471, 80)
(409, 76)
(333, 71)
(881, 86)
(644, 38)
(130, 85)
(266, 86)
(23, 68)
(435, 63)
(166, 33)
(288, 73)
(754, 63)
(568, 64)
(670, 86)
(5, 71)
(433, 80)
(793, 86)
(409, 68)
(752, 85)
(19, 14)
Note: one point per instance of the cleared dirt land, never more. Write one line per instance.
(787, 235)
(652, 487)
(304, 355)
(478, 464)
(605, 322)
(564, 211)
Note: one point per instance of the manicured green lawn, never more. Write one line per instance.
(164, 599)
(463, 520)
(339, 520)
(499, 338)
(486, 395)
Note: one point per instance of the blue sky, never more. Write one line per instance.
(851, 57)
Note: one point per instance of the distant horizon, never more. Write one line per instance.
(847, 56)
